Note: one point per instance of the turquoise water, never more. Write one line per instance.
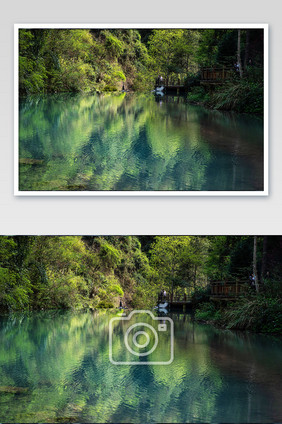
(55, 367)
(135, 142)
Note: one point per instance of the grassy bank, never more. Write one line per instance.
(240, 96)
(258, 314)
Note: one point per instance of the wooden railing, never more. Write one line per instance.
(216, 74)
(228, 288)
(173, 298)
(171, 82)
(219, 289)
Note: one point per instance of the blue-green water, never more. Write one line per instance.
(135, 142)
(55, 367)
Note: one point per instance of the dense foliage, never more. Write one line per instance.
(63, 272)
(86, 60)
(73, 60)
(242, 51)
(261, 313)
(98, 272)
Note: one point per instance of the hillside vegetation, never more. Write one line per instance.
(100, 60)
(61, 272)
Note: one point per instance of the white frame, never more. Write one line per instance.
(18, 192)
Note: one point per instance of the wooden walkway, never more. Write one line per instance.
(215, 76)
(175, 302)
(208, 76)
(220, 291)
(174, 88)
(227, 289)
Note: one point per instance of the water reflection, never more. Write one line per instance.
(135, 142)
(54, 367)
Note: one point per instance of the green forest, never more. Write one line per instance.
(98, 272)
(109, 60)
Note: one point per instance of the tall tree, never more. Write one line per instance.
(178, 261)
(239, 62)
(247, 49)
(163, 47)
(264, 259)
(255, 273)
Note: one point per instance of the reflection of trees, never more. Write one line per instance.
(62, 358)
(119, 142)
(125, 142)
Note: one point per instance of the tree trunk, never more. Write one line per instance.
(195, 276)
(264, 259)
(255, 273)
(187, 65)
(247, 49)
(239, 62)
(172, 283)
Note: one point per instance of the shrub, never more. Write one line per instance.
(259, 314)
(198, 94)
(15, 289)
(193, 80)
(104, 304)
(110, 255)
(110, 88)
(242, 96)
(208, 311)
(64, 291)
(115, 47)
(201, 295)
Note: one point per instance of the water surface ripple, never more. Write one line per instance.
(54, 367)
(135, 142)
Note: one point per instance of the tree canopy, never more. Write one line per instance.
(75, 271)
(88, 60)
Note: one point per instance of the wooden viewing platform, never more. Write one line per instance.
(216, 75)
(220, 291)
(208, 76)
(227, 289)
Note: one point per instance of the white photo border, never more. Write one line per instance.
(134, 193)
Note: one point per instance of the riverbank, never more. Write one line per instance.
(240, 97)
(97, 272)
(258, 314)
